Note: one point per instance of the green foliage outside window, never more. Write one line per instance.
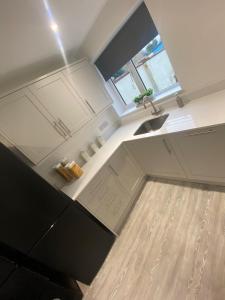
(151, 46)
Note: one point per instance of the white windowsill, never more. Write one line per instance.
(159, 99)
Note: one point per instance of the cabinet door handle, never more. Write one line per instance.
(167, 146)
(113, 170)
(90, 106)
(64, 127)
(202, 132)
(59, 130)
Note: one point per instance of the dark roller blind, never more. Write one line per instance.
(138, 31)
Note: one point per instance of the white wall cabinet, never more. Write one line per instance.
(202, 153)
(38, 118)
(89, 85)
(156, 156)
(23, 124)
(61, 103)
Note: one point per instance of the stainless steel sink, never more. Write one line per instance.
(153, 124)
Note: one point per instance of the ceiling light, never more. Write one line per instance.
(54, 27)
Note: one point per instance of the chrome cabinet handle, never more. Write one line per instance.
(167, 146)
(113, 170)
(64, 127)
(202, 132)
(59, 130)
(90, 106)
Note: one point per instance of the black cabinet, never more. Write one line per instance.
(6, 268)
(77, 244)
(28, 204)
(24, 284)
(39, 223)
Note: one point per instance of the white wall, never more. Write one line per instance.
(114, 14)
(17, 77)
(29, 47)
(193, 34)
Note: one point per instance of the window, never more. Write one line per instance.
(149, 68)
(126, 84)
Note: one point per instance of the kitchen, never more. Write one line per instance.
(112, 150)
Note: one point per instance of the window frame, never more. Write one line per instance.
(118, 92)
(141, 85)
(137, 79)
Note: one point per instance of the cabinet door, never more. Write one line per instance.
(202, 153)
(156, 156)
(76, 245)
(25, 284)
(23, 124)
(6, 267)
(106, 199)
(88, 83)
(61, 102)
(125, 168)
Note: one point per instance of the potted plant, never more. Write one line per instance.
(138, 100)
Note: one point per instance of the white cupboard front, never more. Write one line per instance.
(202, 153)
(23, 124)
(156, 156)
(106, 199)
(61, 102)
(90, 86)
(126, 169)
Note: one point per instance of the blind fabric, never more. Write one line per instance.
(138, 31)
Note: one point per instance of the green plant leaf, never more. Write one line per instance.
(137, 99)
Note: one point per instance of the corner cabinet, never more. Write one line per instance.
(111, 194)
(23, 124)
(89, 85)
(106, 199)
(156, 156)
(126, 169)
(61, 103)
(202, 153)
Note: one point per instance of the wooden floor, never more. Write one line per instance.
(172, 247)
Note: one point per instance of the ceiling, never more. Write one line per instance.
(28, 44)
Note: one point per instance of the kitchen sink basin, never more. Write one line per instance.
(153, 124)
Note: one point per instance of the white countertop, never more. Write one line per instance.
(205, 111)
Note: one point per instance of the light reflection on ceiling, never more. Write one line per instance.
(54, 27)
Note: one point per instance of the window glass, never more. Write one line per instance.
(154, 67)
(150, 68)
(125, 83)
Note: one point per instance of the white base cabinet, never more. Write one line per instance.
(126, 169)
(196, 155)
(156, 156)
(109, 196)
(106, 199)
(202, 153)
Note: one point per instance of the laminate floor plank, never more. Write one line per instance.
(171, 248)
